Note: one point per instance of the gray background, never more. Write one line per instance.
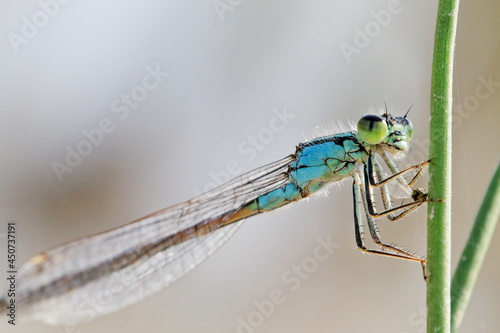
(226, 77)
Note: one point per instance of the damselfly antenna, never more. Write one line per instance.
(406, 114)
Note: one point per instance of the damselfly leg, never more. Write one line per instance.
(365, 181)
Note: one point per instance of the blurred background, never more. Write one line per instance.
(225, 72)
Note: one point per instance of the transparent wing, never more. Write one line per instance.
(399, 190)
(107, 271)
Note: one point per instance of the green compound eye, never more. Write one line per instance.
(409, 128)
(372, 129)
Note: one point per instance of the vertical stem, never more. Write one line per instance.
(439, 213)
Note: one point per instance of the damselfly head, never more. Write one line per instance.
(392, 133)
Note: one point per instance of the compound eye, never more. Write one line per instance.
(372, 129)
(409, 128)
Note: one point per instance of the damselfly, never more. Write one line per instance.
(102, 273)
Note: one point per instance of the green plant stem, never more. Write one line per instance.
(439, 213)
(475, 250)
